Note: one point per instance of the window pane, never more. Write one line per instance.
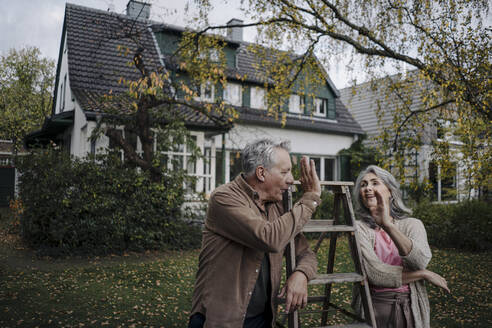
(164, 161)
(329, 165)
(317, 162)
(233, 94)
(258, 98)
(178, 162)
(190, 186)
(206, 184)
(294, 104)
(207, 161)
(179, 148)
(208, 93)
(190, 166)
(214, 55)
(188, 149)
(320, 107)
(448, 183)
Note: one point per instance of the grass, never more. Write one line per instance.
(154, 289)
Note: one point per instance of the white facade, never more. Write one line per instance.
(316, 145)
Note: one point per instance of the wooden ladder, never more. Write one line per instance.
(334, 227)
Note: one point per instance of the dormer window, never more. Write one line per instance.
(211, 54)
(320, 106)
(258, 99)
(233, 94)
(206, 92)
(296, 104)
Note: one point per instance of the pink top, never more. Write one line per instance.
(386, 250)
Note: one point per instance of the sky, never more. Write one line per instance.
(39, 23)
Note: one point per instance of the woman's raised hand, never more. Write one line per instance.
(381, 213)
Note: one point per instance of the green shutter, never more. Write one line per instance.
(331, 108)
(246, 96)
(345, 174)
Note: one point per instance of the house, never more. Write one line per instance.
(373, 108)
(89, 66)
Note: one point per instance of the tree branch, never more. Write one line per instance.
(413, 113)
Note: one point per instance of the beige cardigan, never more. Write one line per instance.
(390, 276)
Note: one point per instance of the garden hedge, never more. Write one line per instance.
(466, 225)
(94, 206)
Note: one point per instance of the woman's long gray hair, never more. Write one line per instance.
(398, 209)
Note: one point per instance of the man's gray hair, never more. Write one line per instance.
(261, 153)
(398, 210)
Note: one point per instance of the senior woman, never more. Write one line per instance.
(395, 253)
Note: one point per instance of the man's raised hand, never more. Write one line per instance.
(309, 179)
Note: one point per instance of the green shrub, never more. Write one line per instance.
(466, 225)
(325, 210)
(94, 206)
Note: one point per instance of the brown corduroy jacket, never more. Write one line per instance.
(236, 236)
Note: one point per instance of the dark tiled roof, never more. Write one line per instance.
(344, 123)
(96, 66)
(93, 37)
(97, 102)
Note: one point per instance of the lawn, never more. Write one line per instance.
(154, 289)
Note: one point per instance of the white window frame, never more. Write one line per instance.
(258, 98)
(440, 181)
(296, 104)
(320, 107)
(322, 159)
(229, 94)
(208, 175)
(186, 154)
(212, 54)
(203, 88)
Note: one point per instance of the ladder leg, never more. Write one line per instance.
(329, 269)
(331, 258)
(355, 252)
(293, 316)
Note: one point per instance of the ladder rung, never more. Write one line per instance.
(336, 278)
(326, 226)
(330, 183)
(311, 299)
(350, 325)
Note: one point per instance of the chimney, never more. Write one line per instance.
(235, 33)
(138, 9)
(111, 6)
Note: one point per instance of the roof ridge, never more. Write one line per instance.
(110, 13)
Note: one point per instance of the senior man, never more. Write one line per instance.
(245, 234)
